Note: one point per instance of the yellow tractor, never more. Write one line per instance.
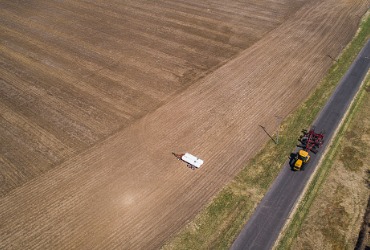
(301, 158)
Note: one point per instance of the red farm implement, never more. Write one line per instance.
(311, 141)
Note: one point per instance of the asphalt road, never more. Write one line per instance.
(263, 228)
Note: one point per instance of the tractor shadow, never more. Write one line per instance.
(292, 159)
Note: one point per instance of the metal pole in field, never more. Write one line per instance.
(278, 118)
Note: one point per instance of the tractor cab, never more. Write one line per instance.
(302, 158)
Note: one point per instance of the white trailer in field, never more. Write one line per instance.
(192, 161)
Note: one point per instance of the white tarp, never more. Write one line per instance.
(191, 159)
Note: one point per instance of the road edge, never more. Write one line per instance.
(342, 125)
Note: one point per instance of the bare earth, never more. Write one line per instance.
(74, 73)
(94, 97)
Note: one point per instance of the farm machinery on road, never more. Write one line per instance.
(310, 142)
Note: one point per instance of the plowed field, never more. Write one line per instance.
(94, 97)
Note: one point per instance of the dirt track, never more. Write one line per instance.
(129, 191)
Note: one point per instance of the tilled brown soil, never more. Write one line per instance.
(139, 74)
(75, 72)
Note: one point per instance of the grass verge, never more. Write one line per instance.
(219, 223)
